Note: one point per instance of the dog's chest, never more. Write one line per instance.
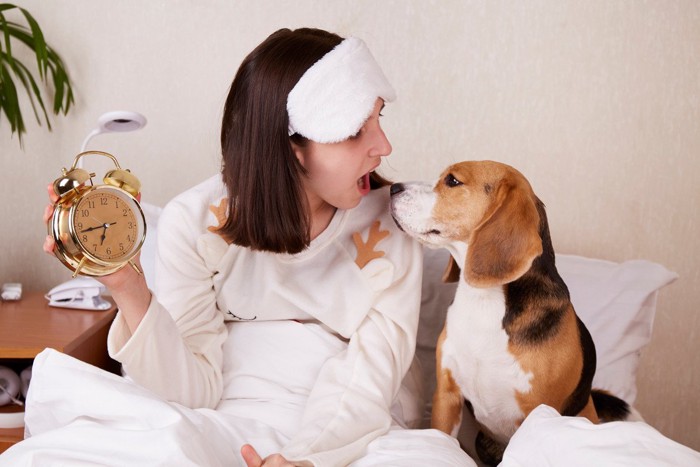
(476, 352)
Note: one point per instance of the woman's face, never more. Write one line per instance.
(338, 173)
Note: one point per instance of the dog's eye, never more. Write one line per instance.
(451, 181)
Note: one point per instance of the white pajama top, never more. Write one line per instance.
(359, 280)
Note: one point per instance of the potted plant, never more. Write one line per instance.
(15, 75)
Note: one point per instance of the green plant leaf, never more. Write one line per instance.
(6, 35)
(32, 89)
(51, 71)
(40, 47)
(11, 102)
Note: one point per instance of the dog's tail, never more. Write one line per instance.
(611, 408)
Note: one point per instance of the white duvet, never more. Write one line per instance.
(105, 419)
(547, 439)
(79, 415)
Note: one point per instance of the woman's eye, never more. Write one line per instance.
(451, 181)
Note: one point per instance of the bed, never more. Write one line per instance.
(617, 302)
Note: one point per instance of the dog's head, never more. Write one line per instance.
(486, 205)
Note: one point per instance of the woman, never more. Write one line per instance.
(285, 310)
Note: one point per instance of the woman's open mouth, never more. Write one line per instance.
(363, 184)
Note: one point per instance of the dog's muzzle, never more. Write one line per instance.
(411, 208)
(395, 189)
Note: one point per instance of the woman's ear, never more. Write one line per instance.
(299, 151)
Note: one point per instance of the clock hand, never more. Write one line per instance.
(105, 226)
(90, 229)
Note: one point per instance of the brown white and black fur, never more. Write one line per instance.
(511, 339)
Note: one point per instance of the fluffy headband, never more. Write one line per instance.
(334, 97)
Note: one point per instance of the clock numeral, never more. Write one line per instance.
(91, 204)
(104, 201)
(80, 225)
(85, 213)
(85, 239)
(121, 247)
(125, 212)
(94, 246)
(109, 250)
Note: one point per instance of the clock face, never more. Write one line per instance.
(107, 225)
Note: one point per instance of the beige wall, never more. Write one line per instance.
(597, 102)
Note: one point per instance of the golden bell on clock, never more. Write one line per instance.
(71, 182)
(123, 179)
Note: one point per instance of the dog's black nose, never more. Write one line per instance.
(396, 188)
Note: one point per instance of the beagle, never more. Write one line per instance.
(511, 339)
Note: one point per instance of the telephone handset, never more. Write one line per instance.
(83, 293)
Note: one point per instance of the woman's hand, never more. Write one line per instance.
(128, 288)
(253, 459)
(49, 243)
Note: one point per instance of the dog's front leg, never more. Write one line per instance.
(446, 414)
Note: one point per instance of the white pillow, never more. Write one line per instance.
(616, 302)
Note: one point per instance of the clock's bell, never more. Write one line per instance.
(123, 179)
(70, 183)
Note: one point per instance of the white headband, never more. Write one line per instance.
(334, 97)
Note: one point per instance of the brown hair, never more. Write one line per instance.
(267, 205)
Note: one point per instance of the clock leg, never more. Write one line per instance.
(136, 268)
(80, 266)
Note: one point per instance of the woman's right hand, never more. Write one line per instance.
(127, 287)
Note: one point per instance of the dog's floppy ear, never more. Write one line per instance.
(452, 271)
(503, 246)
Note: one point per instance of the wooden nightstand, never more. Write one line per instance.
(30, 325)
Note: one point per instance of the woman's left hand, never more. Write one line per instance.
(253, 459)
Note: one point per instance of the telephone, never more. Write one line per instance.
(83, 293)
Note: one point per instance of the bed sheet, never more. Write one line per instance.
(548, 439)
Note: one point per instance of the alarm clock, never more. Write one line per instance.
(98, 229)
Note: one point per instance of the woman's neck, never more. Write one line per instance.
(321, 216)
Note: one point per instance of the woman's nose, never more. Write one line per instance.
(381, 145)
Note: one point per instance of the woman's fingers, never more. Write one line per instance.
(49, 244)
(48, 212)
(253, 459)
(251, 456)
(52, 194)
